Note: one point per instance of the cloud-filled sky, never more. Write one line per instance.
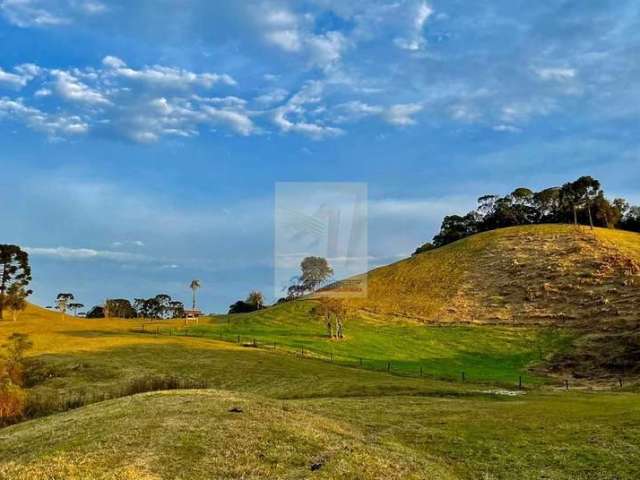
(141, 141)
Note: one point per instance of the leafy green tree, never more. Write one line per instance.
(631, 219)
(425, 247)
(256, 298)
(242, 307)
(177, 309)
(315, 271)
(75, 307)
(455, 227)
(16, 300)
(15, 273)
(62, 302)
(96, 312)
(119, 308)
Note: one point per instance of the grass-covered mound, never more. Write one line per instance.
(200, 434)
(542, 274)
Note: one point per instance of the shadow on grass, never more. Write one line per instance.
(72, 380)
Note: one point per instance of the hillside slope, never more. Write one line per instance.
(543, 274)
(200, 434)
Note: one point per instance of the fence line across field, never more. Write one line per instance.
(384, 366)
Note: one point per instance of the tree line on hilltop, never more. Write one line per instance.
(582, 202)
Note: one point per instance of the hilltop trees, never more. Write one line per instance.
(253, 302)
(119, 307)
(314, 272)
(579, 202)
(631, 219)
(161, 306)
(256, 298)
(15, 275)
(62, 302)
(75, 307)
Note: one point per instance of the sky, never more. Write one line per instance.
(141, 142)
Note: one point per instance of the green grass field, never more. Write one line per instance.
(491, 354)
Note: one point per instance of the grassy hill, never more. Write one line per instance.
(326, 414)
(542, 274)
(497, 306)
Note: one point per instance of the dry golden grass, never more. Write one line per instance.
(52, 333)
(542, 274)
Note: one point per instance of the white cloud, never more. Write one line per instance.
(464, 113)
(507, 128)
(295, 34)
(51, 124)
(72, 89)
(327, 48)
(237, 121)
(23, 75)
(11, 79)
(29, 13)
(288, 40)
(165, 77)
(291, 117)
(558, 74)
(402, 114)
(413, 39)
(66, 253)
(524, 110)
(48, 13)
(274, 96)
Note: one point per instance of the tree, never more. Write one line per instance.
(119, 308)
(195, 285)
(96, 312)
(295, 291)
(15, 272)
(12, 366)
(455, 227)
(579, 195)
(579, 202)
(315, 271)
(256, 298)
(177, 309)
(425, 247)
(16, 300)
(631, 219)
(163, 302)
(331, 311)
(62, 302)
(75, 307)
(242, 307)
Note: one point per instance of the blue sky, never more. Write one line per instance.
(140, 144)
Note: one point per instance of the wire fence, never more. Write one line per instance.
(391, 367)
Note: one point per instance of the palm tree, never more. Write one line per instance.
(195, 285)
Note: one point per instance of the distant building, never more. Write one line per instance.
(192, 313)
